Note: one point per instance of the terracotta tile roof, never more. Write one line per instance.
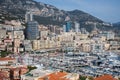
(3, 75)
(23, 68)
(18, 68)
(105, 77)
(6, 58)
(55, 76)
(14, 69)
(7, 39)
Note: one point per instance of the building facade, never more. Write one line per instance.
(32, 31)
(68, 26)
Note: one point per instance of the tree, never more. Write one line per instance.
(90, 78)
(5, 53)
(31, 68)
(82, 78)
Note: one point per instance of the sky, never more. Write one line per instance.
(106, 10)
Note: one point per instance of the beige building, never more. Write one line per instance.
(85, 47)
(16, 45)
(10, 35)
(19, 35)
(69, 41)
(106, 46)
(2, 33)
(45, 44)
(81, 36)
(13, 22)
(42, 44)
(87, 41)
(16, 42)
(67, 36)
(44, 34)
(67, 45)
(2, 46)
(36, 44)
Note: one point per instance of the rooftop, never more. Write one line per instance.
(55, 76)
(105, 77)
(6, 58)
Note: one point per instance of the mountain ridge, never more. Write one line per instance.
(52, 15)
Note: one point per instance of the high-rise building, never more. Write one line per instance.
(28, 16)
(77, 25)
(84, 31)
(68, 26)
(64, 28)
(32, 31)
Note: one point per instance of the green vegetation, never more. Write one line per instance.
(5, 53)
(31, 68)
(47, 20)
(82, 78)
(90, 78)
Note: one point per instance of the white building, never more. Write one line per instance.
(97, 47)
(27, 45)
(28, 16)
(19, 35)
(36, 74)
(108, 34)
(77, 26)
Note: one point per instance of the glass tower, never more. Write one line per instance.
(68, 26)
(32, 32)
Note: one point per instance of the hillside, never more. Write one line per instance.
(46, 14)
